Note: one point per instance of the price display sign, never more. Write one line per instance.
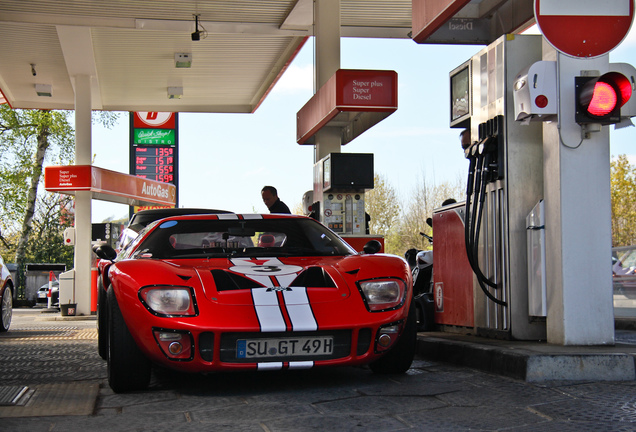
(153, 146)
(155, 163)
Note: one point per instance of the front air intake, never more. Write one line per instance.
(314, 277)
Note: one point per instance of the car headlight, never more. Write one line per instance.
(382, 294)
(168, 300)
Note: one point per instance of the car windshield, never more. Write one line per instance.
(626, 262)
(210, 238)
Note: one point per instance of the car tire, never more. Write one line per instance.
(425, 312)
(102, 321)
(6, 306)
(128, 369)
(399, 359)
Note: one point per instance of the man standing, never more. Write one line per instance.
(271, 200)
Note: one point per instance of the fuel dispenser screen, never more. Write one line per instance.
(155, 163)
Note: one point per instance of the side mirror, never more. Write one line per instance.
(105, 251)
(372, 247)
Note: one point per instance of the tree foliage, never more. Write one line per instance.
(424, 198)
(623, 190)
(30, 219)
(28, 138)
(382, 205)
(401, 223)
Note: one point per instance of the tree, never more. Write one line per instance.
(26, 136)
(28, 140)
(47, 238)
(623, 191)
(382, 205)
(422, 201)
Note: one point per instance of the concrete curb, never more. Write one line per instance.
(588, 367)
(519, 363)
(474, 356)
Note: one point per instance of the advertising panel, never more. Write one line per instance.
(153, 146)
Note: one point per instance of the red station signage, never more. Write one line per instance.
(108, 185)
(351, 99)
(584, 28)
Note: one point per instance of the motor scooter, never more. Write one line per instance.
(421, 263)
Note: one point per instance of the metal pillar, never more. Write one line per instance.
(327, 62)
(578, 219)
(83, 151)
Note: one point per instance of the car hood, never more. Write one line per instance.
(251, 281)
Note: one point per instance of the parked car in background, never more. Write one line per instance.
(6, 297)
(624, 270)
(228, 292)
(43, 294)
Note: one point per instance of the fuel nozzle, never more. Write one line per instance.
(490, 148)
(491, 131)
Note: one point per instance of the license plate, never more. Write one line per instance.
(284, 347)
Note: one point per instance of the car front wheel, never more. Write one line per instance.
(6, 304)
(399, 359)
(128, 368)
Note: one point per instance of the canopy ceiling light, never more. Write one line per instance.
(175, 92)
(45, 90)
(182, 60)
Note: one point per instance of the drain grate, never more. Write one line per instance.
(11, 395)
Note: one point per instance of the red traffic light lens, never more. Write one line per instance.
(599, 100)
(603, 100)
(625, 87)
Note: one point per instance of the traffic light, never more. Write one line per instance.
(599, 99)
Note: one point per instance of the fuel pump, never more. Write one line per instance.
(340, 183)
(483, 156)
(480, 278)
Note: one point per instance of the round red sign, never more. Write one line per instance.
(584, 28)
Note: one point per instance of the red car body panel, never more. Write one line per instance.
(272, 306)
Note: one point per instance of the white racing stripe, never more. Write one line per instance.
(268, 310)
(299, 309)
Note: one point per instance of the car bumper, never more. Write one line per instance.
(193, 345)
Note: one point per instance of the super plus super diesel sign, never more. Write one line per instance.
(584, 28)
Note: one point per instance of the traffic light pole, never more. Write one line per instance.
(578, 217)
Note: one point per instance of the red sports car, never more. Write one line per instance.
(228, 292)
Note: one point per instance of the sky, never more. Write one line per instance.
(225, 159)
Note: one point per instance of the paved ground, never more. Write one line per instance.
(68, 391)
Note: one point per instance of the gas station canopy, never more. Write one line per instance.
(131, 48)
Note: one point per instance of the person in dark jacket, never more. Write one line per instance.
(271, 200)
